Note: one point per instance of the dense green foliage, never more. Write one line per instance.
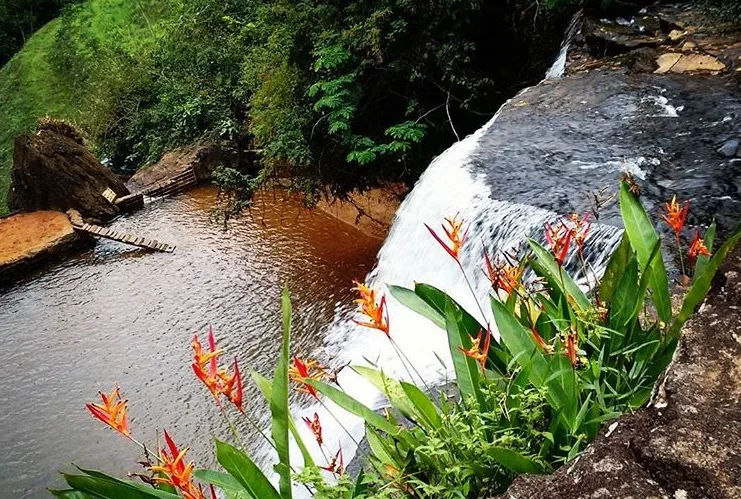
(327, 93)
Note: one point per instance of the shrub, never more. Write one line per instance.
(566, 362)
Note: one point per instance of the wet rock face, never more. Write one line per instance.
(54, 172)
(687, 444)
(202, 158)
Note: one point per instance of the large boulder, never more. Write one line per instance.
(54, 171)
(202, 158)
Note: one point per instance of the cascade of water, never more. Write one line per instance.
(450, 186)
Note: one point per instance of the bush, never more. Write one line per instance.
(567, 362)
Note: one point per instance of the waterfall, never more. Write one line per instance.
(451, 185)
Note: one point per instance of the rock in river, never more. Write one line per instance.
(53, 171)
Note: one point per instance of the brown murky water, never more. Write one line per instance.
(118, 315)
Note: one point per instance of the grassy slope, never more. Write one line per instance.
(31, 85)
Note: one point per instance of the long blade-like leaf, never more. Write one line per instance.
(412, 301)
(266, 388)
(558, 277)
(514, 461)
(617, 264)
(279, 403)
(245, 471)
(643, 238)
(224, 481)
(466, 369)
(702, 283)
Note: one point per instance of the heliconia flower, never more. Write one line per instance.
(559, 240)
(477, 352)
(316, 428)
(302, 371)
(571, 341)
(676, 215)
(697, 248)
(112, 412)
(175, 472)
(375, 310)
(217, 380)
(503, 276)
(455, 235)
(540, 341)
(336, 466)
(580, 228)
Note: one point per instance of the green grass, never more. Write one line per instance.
(73, 68)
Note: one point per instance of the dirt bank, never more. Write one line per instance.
(30, 240)
(372, 212)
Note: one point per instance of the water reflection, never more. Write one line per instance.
(118, 315)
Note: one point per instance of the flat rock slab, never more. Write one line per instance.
(687, 444)
(29, 240)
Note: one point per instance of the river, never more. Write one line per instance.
(119, 315)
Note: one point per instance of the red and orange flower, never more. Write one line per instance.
(559, 239)
(316, 428)
(503, 275)
(302, 371)
(217, 380)
(112, 412)
(372, 308)
(676, 215)
(455, 235)
(173, 471)
(697, 248)
(336, 465)
(478, 352)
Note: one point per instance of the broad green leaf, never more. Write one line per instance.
(110, 488)
(391, 388)
(412, 301)
(702, 260)
(528, 354)
(617, 264)
(624, 301)
(224, 481)
(245, 471)
(514, 461)
(643, 238)
(466, 369)
(378, 446)
(702, 284)
(266, 388)
(422, 404)
(279, 403)
(558, 277)
(137, 485)
(353, 406)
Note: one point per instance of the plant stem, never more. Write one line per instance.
(338, 422)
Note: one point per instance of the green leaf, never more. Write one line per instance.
(391, 388)
(643, 238)
(266, 387)
(245, 471)
(414, 302)
(466, 369)
(557, 277)
(379, 447)
(624, 300)
(617, 264)
(360, 488)
(514, 461)
(224, 481)
(701, 285)
(279, 403)
(353, 406)
(422, 403)
(105, 487)
(437, 299)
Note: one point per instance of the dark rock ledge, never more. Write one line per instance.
(687, 443)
